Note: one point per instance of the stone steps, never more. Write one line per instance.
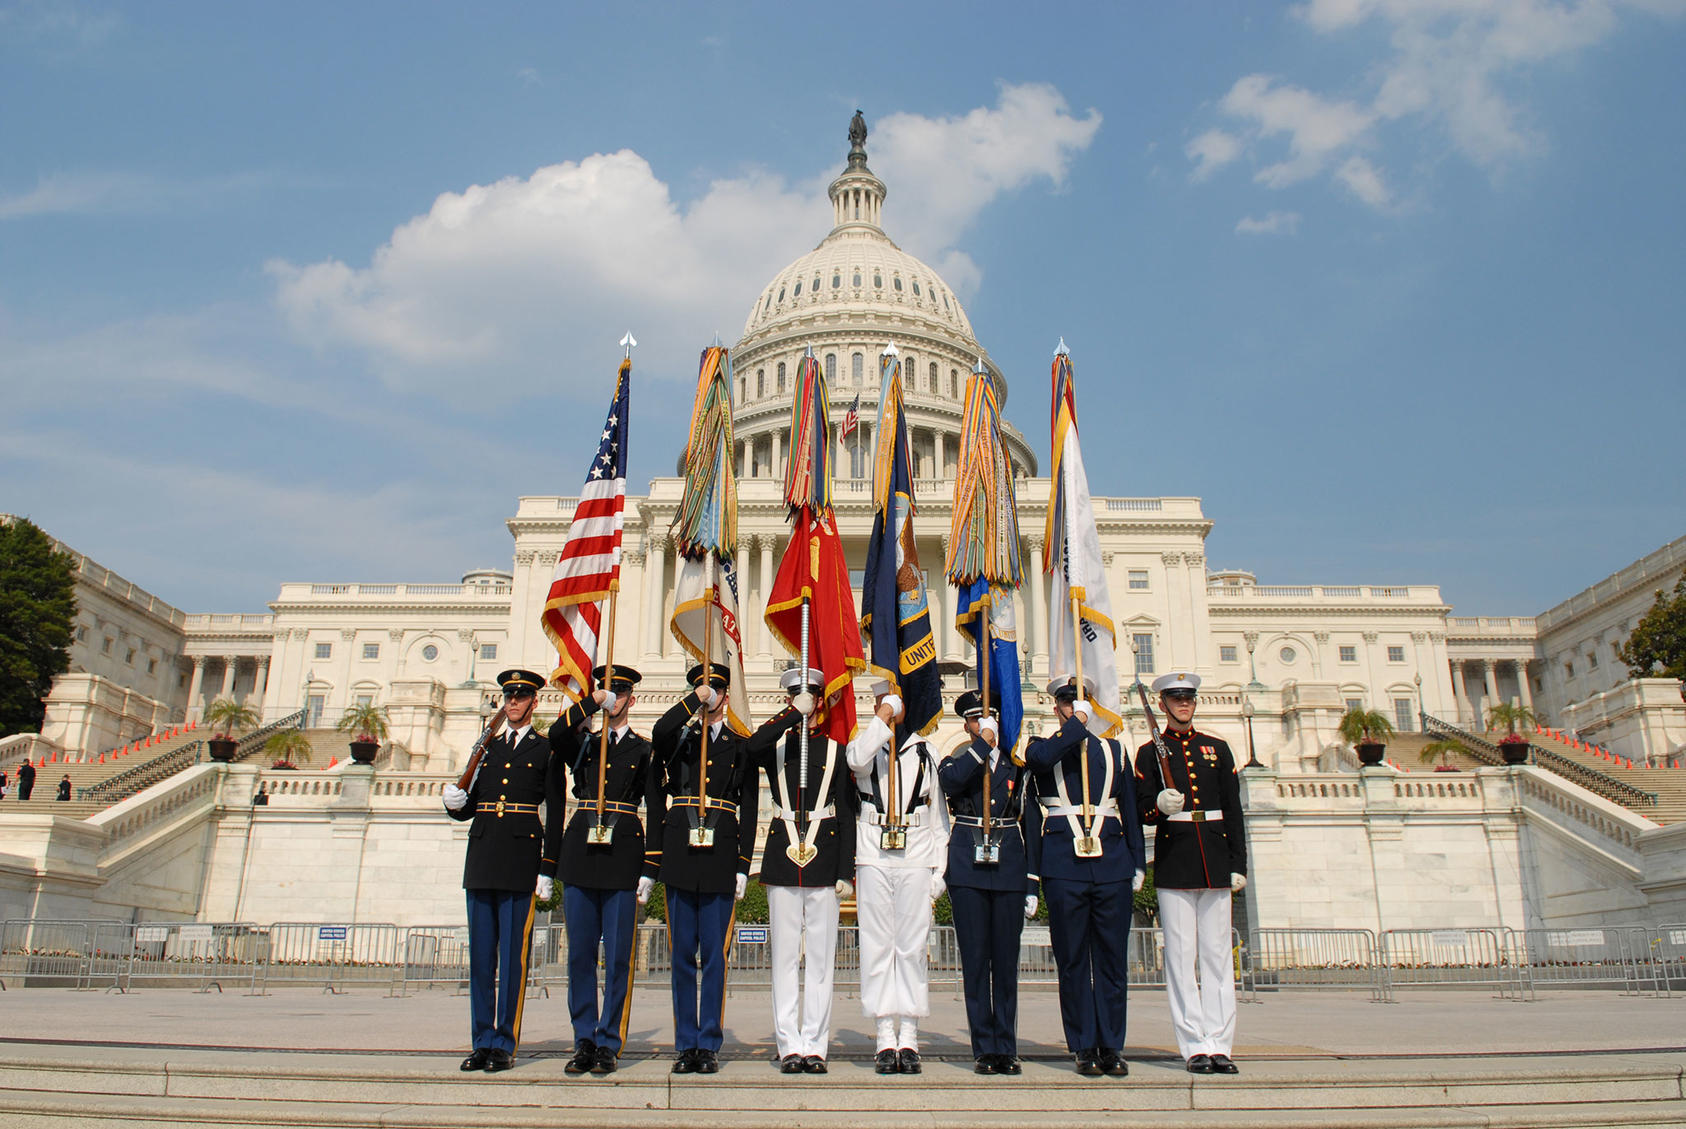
(52, 1085)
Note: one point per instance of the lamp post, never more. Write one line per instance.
(1247, 715)
(1420, 714)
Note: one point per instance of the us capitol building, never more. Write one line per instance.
(1292, 658)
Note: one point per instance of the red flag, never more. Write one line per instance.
(813, 566)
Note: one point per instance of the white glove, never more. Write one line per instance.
(1030, 904)
(645, 885)
(894, 701)
(1237, 882)
(455, 798)
(938, 886)
(1138, 881)
(705, 694)
(743, 884)
(990, 731)
(803, 704)
(618, 704)
(600, 695)
(1170, 801)
(845, 889)
(545, 888)
(1081, 708)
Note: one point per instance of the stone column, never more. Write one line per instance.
(745, 601)
(1490, 683)
(784, 454)
(194, 709)
(764, 637)
(1037, 644)
(228, 666)
(1176, 600)
(942, 453)
(261, 685)
(1522, 688)
(656, 556)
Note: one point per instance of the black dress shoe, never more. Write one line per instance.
(1088, 1063)
(884, 1062)
(477, 1060)
(499, 1062)
(984, 1064)
(1113, 1063)
(813, 1064)
(790, 1064)
(1222, 1065)
(907, 1061)
(603, 1062)
(1200, 1064)
(707, 1062)
(1007, 1064)
(686, 1063)
(584, 1055)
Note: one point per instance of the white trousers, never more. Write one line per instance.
(1196, 922)
(893, 906)
(802, 920)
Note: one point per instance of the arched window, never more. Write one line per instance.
(831, 368)
(798, 292)
(760, 383)
(857, 367)
(933, 376)
(878, 280)
(816, 286)
(857, 280)
(898, 283)
(909, 365)
(916, 288)
(781, 294)
(836, 280)
(781, 376)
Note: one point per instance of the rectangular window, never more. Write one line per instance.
(1402, 714)
(1349, 654)
(365, 699)
(1226, 654)
(1616, 651)
(1568, 668)
(324, 650)
(1355, 703)
(857, 366)
(1144, 653)
(152, 666)
(488, 651)
(371, 650)
(1396, 654)
(760, 391)
(105, 648)
(313, 711)
(130, 658)
(81, 634)
(1138, 579)
(1592, 660)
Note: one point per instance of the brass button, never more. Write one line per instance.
(506, 780)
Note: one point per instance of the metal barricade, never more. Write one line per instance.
(1343, 959)
(433, 956)
(45, 953)
(336, 956)
(191, 954)
(1664, 949)
(1146, 957)
(1578, 957)
(1455, 958)
(547, 958)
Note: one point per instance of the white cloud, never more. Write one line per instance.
(1273, 223)
(1211, 151)
(119, 192)
(541, 275)
(1450, 65)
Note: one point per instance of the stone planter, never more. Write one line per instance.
(1514, 752)
(363, 752)
(222, 749)
(1370, 752)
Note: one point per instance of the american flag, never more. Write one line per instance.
(851, 418)
(591, 558)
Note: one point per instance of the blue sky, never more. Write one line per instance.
(313, 292)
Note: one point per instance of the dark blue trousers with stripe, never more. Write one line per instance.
(1089, 931)
(608, 916)
(500, 926)
(699, 929)
(987, 927)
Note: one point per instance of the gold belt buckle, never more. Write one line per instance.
(500, 807)
(1088, 847)
(1197, 816)
(598, 835)
(892, 839)
(702, 838)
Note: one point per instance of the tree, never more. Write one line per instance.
(228, 718)
(1361, 727)
(1509, 715)
(365, 719)
(1657, 647)
(289, 745)
(37, 606)
(1440, 750)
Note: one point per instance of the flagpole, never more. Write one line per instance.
(983, 677)
(608, 683)
(708, 680)
(1068, 480)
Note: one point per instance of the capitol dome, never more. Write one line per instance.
(847, 299)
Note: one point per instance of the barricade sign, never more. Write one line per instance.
(331, 933)
(752, 934)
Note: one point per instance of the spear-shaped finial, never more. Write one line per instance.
(808, 352)
(1062, 351)
(890, 350)
(717, 339)
(629, 343)
(979, 368)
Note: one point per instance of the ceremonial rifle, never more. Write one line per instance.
(478, 752)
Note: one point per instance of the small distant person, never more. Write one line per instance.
(261, 798)
(64, 787)
(26, 780)
(4, 782)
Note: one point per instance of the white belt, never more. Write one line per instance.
(998, 823)
(826, 812)
(1196, 817)
(1099, 811)
(872, 818)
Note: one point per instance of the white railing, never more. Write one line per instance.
(411, 590)
(1323, 592)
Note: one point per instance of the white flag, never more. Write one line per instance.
(690, 603)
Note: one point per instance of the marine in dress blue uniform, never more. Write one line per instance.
(704, 858)
(602, 865)
(987, 883)
(1088, 865)
(511, 856)
(1199, 860)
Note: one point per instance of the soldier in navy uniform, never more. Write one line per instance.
(807, 865)
(1199, 860)
(1089, 863)
(603, 879)
(511, 858)
(704, 857)
(987, 882)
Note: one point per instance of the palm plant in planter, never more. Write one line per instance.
(287, 748)
(1366, 731)
(1513, 746)
(366, 720)
(1439, 750)
(227, 718)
